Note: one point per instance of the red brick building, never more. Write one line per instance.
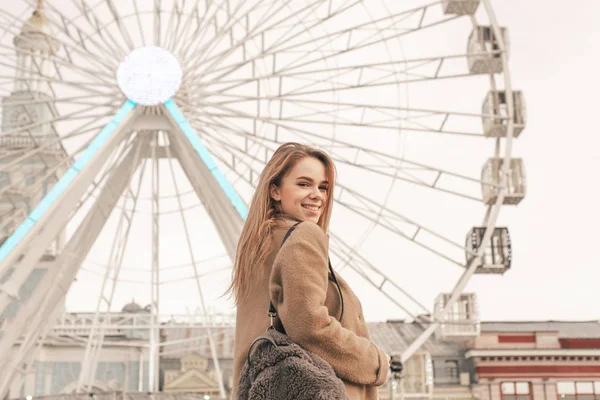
(536, 361)
(499, 361)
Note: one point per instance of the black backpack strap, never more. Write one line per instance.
(289, 232)
(273, 312)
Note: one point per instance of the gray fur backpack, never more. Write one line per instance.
(279, 369)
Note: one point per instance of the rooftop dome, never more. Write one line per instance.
(132, 307)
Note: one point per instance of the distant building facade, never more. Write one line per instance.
(536, 361)
(504, 361)
(555, 360)
(185, 363)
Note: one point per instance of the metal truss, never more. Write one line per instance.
(53, 212)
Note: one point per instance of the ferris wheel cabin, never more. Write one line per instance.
(484, 54)
(491, 181)
(462, 321)
(497, 255)
(460, 7)
(495, 114)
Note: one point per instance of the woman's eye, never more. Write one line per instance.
(323, 188)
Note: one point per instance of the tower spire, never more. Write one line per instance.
(38, 21)
(37, 33)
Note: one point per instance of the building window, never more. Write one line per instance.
(583, 390)
(40, 379)
(4, 179)
(516, 390)
(451, 370)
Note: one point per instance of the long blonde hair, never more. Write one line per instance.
(254, 243)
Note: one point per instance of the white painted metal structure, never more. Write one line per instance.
(377, 85)
(462, 321)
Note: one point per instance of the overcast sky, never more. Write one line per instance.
(555, 59)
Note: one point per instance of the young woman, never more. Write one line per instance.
(297, 185)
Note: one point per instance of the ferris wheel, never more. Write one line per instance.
(133, 133)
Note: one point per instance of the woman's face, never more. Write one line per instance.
(303, 191)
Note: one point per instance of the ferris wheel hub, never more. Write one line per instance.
(149, 75)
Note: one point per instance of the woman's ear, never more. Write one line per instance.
(274, 192)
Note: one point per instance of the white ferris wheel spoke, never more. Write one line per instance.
(207, 22)
(349, 256)
(110, 45)
(109, 283)
(258, 30)
(372, 210)
(196, 274)
(385, 121)
(325, 39)
(265, 52)
(120, 23)
(393, 163)
(194, 61)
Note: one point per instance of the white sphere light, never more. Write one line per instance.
(149, 75)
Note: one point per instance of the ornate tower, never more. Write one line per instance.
(27, 116)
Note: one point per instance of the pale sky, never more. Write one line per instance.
(554, 58)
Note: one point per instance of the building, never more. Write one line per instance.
(505, 361)
(549, 360)
(536, 361)
(438, 370)
(123, 364)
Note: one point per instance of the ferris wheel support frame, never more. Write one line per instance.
(23, 362)
(62, 271)
(153, 354)
(219, 197)
(50, 216)
(493, 211)
(96, 336)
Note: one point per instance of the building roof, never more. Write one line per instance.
(565, 329)
(394, 337)
(134, 307)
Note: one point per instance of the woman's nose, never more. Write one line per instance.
(315, 193)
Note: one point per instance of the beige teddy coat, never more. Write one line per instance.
(297, 279)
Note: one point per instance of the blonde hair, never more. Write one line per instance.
(255, 239)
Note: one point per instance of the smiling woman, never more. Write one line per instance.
(303, 191)
(295, 282)
(296, 179)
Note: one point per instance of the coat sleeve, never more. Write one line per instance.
(299, 283)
